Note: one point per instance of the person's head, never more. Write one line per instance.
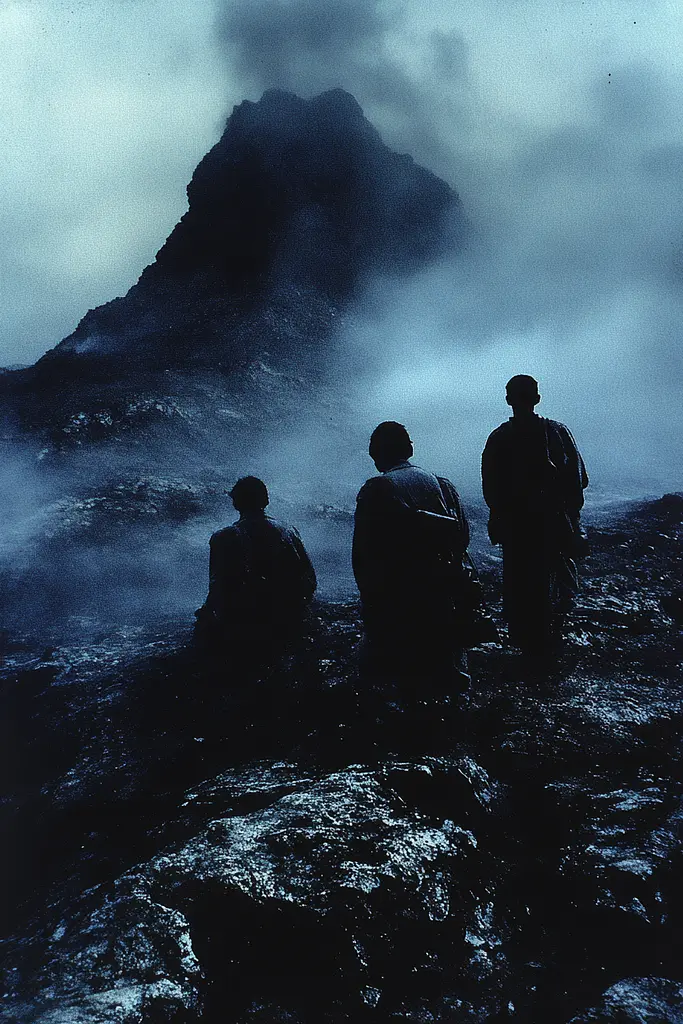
(390, 443)
(521, 392)
(249, 494)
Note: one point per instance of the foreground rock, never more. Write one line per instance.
(192, 845)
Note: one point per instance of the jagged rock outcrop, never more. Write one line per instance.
(292, 209)
(304, 191)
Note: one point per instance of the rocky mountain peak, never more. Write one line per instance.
(297, 204)
(305, 191)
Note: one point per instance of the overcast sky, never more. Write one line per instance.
(558, 123)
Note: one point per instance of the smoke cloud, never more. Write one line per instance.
(559, 129)
(296, 45)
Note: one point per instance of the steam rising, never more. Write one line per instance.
(558, 125)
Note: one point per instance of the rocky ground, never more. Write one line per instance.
(183, 843)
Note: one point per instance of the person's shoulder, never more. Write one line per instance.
(224, 535)
(421, 471)
(560, 428)
(375, 487)
(284, 529)
(500, 432)
(410, 472)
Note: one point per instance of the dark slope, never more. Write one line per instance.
(305, 192)
(288, 213)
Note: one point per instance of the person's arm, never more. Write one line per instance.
(214, 597)
(454, 505)
(306, 570)
(576, 477)
(490, 477)
(375, 513)
(361, 546)
(226, 570)
(490, 482)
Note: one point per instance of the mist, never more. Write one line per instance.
(560, 130)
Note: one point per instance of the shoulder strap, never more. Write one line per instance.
(546, 434)
(445, 497)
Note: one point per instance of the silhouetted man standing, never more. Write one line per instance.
(407, 579)
(533, 479)
(261, 579)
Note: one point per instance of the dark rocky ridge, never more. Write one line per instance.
(288, 213)
(305, 192)
(193, 845)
